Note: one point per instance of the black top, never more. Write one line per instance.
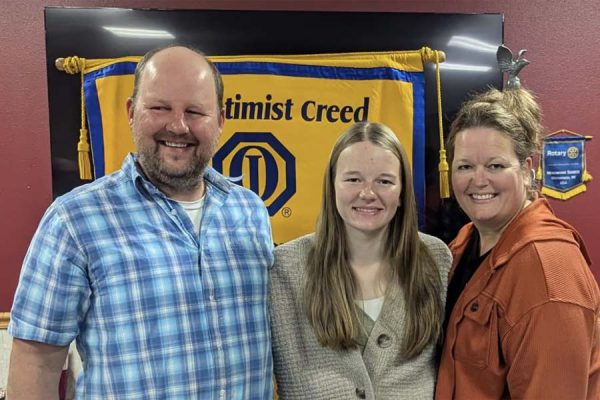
(468, 264)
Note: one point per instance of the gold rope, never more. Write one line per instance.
(430, 56)
(73, 65)
(538, 173)
(443, 167)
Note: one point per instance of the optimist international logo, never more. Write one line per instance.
(258, 161)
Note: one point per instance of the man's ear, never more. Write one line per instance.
(221, 119)
(130, 107)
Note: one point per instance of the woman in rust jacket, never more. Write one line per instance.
(522, 307)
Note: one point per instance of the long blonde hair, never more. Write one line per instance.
(330, 286)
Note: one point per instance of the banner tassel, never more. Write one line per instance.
(538, 173)
(83, 156)
(443, 167)
(73, 65)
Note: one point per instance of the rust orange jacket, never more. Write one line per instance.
(526, 324)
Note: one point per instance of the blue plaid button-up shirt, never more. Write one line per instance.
(158, 312)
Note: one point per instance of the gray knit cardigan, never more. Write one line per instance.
(306, 370)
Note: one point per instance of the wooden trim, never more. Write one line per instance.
(4, 318)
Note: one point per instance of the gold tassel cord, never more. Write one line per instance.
(538, 173)
(73, 65)
(443, 167)
(432, 56)
(435, 56)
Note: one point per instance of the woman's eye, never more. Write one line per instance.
(463, 167)
(494, 167)
(386, 182)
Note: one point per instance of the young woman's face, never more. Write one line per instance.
(367, 188)
(487, 179)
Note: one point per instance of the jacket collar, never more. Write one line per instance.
(536, 222)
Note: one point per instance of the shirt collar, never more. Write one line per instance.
(133, 170)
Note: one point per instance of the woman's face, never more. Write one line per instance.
(487, 179)
(367, 188)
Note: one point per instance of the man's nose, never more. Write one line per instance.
(178, 124)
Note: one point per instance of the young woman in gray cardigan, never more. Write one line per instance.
(357, 306)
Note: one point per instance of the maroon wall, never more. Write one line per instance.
(561, 38)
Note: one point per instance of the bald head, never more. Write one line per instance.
(185, 54)
(175, 120)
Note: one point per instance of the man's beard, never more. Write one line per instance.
(183, 180)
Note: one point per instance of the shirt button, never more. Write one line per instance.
(474, 307)
(360, 393)
(173, 211)
(384, 341)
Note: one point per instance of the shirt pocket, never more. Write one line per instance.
(475, 332)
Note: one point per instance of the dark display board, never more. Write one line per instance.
(469, 41)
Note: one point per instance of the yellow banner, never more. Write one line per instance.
(283, 115)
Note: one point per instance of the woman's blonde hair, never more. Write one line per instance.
(514, 113)
(330, 287)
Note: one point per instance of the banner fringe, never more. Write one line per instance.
(563, 195)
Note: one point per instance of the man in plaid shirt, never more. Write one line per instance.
(160, 270)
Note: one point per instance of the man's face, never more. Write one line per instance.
(175, 120)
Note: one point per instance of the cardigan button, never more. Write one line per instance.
(360, 393)
(474, 307)
(384, 341)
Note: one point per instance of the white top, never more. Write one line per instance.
(371, 307)
(194, 211)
